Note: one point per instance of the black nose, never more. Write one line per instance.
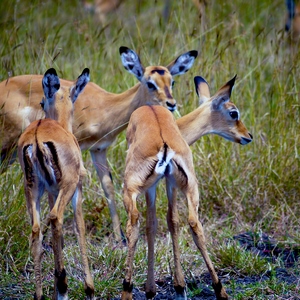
(171, 106)
(245, 141)
(250, 135)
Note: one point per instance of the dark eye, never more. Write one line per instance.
(151, 86)
(234, 115)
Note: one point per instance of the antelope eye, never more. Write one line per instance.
(234, 115)
(151, 86)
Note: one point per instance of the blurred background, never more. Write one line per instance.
(251, 189)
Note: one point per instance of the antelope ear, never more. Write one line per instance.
(182, 63)
(223, 94)
(131, 62)
(50, 83)
(80, 84)
(202, 89)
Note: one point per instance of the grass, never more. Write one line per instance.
(250, 188)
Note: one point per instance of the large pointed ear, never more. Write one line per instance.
(202, 89)
(131, 62)
(182, 63)
(50, 83)
(223, 94)
(80, 84)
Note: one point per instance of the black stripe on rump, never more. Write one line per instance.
(165, 152)
(40, 157)
(54, 161)
(164, 158)
(29, 175)
(151, 169)
(181, 171)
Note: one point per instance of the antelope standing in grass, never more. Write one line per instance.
(51, 161)
(292, 24)
(101, 8)
(99, 116)
(157, 148)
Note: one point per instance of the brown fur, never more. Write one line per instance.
(51, 160)
(99, 116)
(212, 116)
(157, 150)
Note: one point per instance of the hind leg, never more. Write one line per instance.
(192, 196)
(79, 228)
(56, 219)
(33, 196)
(132, 233)
(151, 229)
(173, 225)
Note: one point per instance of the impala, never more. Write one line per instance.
(292, 24)
(51, 161)
(156, 149)
(215, 115)
(101, 8)
(145, 166)
(99, 116)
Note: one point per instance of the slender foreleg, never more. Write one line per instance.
(101, 165)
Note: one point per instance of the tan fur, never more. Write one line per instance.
(51, 160)
(152, 133)
(207, 120)
(102, 8)
(99, 116)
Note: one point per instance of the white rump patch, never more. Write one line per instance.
(162, 164)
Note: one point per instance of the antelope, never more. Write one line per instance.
(292, 24)
(157, 148)
(101, 8)
(51, 161)
(99, 116)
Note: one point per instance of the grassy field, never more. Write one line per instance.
(253, 188)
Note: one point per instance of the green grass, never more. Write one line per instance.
(242, 188)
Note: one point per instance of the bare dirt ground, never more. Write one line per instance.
(166, 291)
(261, 244)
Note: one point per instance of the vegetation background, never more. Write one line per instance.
(253, 188)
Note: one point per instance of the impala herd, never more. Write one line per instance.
(47, 135)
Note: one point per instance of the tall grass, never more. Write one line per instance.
(254, 187)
